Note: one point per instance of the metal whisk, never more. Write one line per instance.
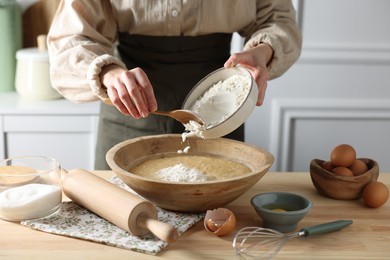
(264, 243)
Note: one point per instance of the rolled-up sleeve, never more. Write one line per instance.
(276, 25)
(80, 43)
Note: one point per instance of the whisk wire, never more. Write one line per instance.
(269, 241)
(250, 238)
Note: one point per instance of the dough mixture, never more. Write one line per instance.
(190, 168)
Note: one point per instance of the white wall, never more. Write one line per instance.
(338, 91)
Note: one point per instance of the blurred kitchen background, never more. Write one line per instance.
(338, 92)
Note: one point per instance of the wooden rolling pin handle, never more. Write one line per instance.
(122, 208)
(160, 229)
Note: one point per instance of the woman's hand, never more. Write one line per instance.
(255, 60)
(130, 91)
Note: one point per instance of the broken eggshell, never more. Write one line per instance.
(220, 221)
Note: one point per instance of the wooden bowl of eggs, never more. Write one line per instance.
(192, 176)
(344, 176)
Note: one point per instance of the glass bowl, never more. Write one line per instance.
(30, 187)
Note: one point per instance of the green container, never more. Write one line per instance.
(10, 42)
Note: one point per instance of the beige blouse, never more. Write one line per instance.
(82, 37)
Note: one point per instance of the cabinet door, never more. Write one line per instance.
(70, 139)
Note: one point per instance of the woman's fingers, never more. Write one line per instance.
(123, 104)
(131, 95)
(141, 91)
(130, 91)
(261, 76)
(255, 60)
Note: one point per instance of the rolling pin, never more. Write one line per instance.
(120, 207)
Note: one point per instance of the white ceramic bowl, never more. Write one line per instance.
(30, 187)
(239, 116)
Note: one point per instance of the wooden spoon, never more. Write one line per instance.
(182, 115)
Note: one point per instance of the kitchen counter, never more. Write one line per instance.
(51, 127)
(11, 103)
(367, 238)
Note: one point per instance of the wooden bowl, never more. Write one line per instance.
(342, 187)
(188, 197)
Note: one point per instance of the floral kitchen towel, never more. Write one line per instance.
(75, 221)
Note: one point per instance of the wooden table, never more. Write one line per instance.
(367, 238)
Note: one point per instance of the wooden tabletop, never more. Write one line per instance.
(367, 238)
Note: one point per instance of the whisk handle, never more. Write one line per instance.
(326, 228)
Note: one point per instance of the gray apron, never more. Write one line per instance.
(174, 65)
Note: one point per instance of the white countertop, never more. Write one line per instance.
(13, 103)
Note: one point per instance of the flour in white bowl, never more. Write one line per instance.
(181, 173)
(218, 103)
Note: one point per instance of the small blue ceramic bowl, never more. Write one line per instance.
(281, 210)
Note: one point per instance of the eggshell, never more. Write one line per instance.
(220, 221)
(375, 194)
(343, 155)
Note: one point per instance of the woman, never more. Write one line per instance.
(144, 54)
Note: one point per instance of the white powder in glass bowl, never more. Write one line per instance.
(29, 201)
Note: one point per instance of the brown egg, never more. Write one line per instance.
(375, 194)
(220, 221)
(327, 165)
(343, 171)
(343, 155)
(358, 167)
